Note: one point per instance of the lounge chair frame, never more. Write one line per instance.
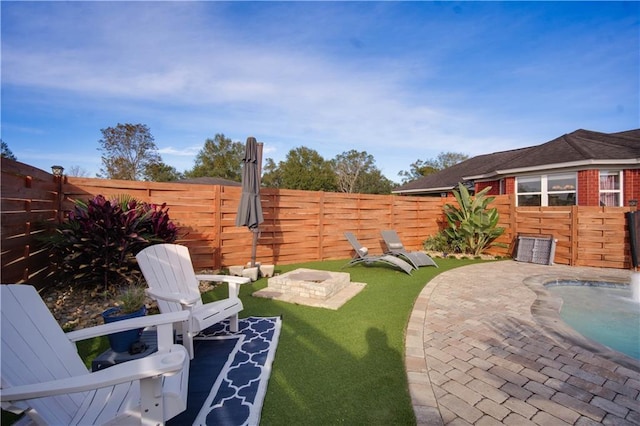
(396, 248)
(362, 256)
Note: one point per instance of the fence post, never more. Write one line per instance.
(217, 243)
(573, 259)
(57, 201)
(321, 225)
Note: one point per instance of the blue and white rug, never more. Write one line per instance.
(229, 373)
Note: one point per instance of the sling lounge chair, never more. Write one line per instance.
(396, 248)
(44, 377)
(362, 256)
(169, 273)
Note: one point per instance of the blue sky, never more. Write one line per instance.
(400, 80)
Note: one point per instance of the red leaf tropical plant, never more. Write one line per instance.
(97, 244)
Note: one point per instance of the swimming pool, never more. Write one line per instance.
(603, 312)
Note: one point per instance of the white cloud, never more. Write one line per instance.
(193, 69)
(180, 152)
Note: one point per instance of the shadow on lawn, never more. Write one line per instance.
(315, 380)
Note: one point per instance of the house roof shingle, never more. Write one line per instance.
(582, 147)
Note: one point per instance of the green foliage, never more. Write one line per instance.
(472, 224)
(98, 242)
(132, 298)
(442, 243)
(424, 168)
(351, 172)
(272, 175)
(161, 172)
(356, 173)
(374, 182)
(128, 149)
(220, 157)
(303, 169)
(5, 152)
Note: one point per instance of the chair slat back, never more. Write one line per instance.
(391, 238)
(35, 349)
(357, 247)
(168, 267)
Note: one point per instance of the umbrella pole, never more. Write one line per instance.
(256, 233)
(254, 247)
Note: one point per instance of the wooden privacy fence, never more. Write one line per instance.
(29, 204)
(587, 236)
(299, 225)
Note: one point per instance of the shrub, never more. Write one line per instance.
(472, 224)
(98, 242)
(442, 243)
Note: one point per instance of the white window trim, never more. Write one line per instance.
(544, 184)
(612, 191)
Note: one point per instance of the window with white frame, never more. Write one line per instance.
(546, 190)
(610, 188)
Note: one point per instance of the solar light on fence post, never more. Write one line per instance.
(57, 170)
(633, 204)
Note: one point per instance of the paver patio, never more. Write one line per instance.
(485, 345)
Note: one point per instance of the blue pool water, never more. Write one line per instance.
(602, 312)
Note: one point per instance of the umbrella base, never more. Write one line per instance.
(252, 273)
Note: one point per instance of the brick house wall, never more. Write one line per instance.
(631, 178)
(494, 184)
(510, 185)
(588, 192)
(588, 188)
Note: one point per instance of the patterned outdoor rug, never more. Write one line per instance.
(229, 373)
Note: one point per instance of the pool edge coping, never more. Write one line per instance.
(546, 312)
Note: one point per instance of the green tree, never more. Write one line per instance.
(374, 182)
(5, 152)
(127, 151)
(271, 176)
(446, 159)
(356, 172)
(161, 172)
(304, 169)
(417, 169)
(220, 157)
(424, 168)
(349, 168)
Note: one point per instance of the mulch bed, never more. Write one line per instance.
(76, 308)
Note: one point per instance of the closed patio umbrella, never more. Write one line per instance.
(250, 209)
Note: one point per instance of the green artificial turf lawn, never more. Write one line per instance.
(336, 367)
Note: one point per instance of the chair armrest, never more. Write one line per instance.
(223, 278)
(181, 298)
(128, 324)
(164, 363)
(233, 282)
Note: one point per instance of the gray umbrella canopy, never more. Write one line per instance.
(250, 209)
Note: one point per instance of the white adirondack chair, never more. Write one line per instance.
(44, 377)
(169, 273)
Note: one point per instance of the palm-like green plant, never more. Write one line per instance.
(472, 223)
